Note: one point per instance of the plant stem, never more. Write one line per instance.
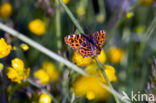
(41, 48)
(71, 17)
(43, 89)
(58, 25)
(150, 30)
(147, 36)
(106, 78)
(115, 93)
(72, 98)
(101, 4)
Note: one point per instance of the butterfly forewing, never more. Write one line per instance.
(74, 41)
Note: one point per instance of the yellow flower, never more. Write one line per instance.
(51, 70)
(115, 54)
(48, 73)
(93, 69)
(17, 73)
(146, 2)
(1, 67)
(17, 64)
(80, 61)
(4, 48)
(45, 98)
(90, 95)
(110, 72)
(24, 47)
(100, 18)
(140, 29)
(42, 76)
(80, 10)
(89, 86)
(66, 1)
(37, 27)
(129, 15)
(5, 10)
(102, 57)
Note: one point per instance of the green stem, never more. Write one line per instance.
(43, 89)
(147, 36)
(106, 78)
(71, 17)
(101, 4)
(150, 30)
(72, 98)
(58, 25)
(115, 93)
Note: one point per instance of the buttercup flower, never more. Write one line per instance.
(100, 18)
(51, 70)
(42, 76)
(5, 10)
(110, 72)
(102, 56)
(24, 47)
(146, 2)
(80, 61)
(1, 67)
(89, 86)
(92, 69)
(17, 73)
(37, 27)
(80, 10)
(66, 1)
(45, 98)
(129, 15)
(48, 73)
(4, 48)
(115, 54)
(140, 29)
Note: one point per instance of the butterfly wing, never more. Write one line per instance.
(98, 38)
(86, 49)
(87, 45)
(74, 41)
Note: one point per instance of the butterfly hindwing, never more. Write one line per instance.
(85, 49)
(74, 41)
(99, 38)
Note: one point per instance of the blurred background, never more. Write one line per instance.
(129, 53)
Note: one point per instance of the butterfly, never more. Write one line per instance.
(87, 44)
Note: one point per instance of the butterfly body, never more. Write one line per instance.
(87, 44)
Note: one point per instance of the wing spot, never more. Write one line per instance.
(98, 38)
(80, 41)
(84, 45)
(71, 40)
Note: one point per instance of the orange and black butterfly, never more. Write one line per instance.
(87, 44)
